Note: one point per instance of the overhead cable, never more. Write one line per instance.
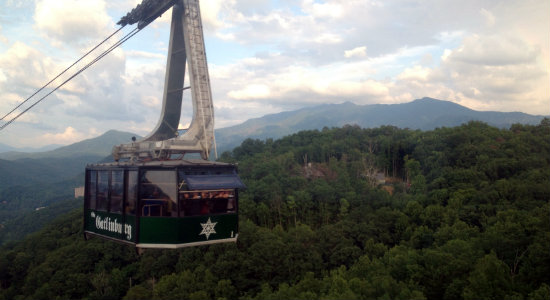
(111, 48)
(44, 86)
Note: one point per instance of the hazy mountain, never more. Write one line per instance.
(424, 114)
(8, 148)
(62, 163)
(98, 146)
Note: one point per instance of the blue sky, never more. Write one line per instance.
(269, 56)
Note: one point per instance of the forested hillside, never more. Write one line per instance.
(22, 222)
(30, 181)
(462, 213)
(19, 200)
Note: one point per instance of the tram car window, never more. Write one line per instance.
(158, 194)
(92, 190)
(131, 193)
(116, 191)
(102, 190)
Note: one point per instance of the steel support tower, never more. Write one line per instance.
(186, 46)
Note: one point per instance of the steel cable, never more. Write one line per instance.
(111, 48)
(44, 86)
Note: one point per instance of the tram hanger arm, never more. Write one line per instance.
(146, 12)
(186, 47)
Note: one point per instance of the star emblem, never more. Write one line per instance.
(208, 228)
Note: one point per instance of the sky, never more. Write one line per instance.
(268, 56)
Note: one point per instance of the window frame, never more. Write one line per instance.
(91, 189)
(118, 192)
(103, 206)
(165, 204)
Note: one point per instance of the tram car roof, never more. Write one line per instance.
(163, 163)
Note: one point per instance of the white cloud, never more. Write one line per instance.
(151, 101)
(486, 73)
(66, 22)
(471, 74)
(225, 36)
(70, 100)
(209, 14)
(323, 10)
(356, 52)
(253, 61)
(184, 126)
(3, 39)
(489, 17)
(327, 38)
(251, 91)
(24, 65)
(491, 50)
(353, 89)
(415, 73)
(70, 135)
(446, 54)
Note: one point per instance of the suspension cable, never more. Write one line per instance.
(111, 48)
(44, 86)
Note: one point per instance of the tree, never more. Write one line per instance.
(490, 279)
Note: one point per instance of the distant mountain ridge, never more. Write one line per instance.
(8, 148)
(25, 169)
(98, 146)
(425, 114)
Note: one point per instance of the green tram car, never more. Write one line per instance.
(162, 204)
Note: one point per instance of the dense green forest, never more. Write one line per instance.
(23, 222)
(18, 206)
(463, 213)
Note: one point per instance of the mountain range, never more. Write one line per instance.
(20, 168)
(423, 114)
(98, 146)
(8, 148)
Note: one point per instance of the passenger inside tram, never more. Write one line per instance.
(206, 202)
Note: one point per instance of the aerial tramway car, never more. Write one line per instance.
(146, 197)
(162, 204)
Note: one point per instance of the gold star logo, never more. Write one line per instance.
(208, 228)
